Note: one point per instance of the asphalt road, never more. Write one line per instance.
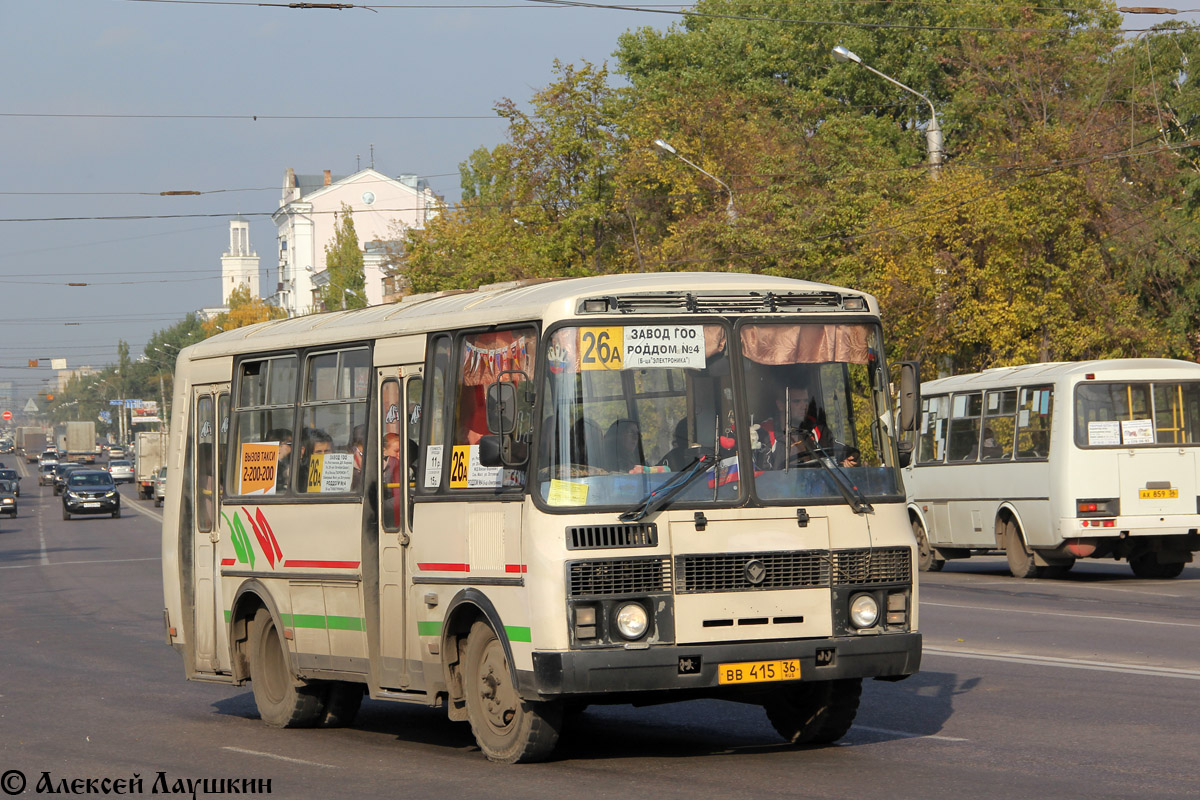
(1083, 687)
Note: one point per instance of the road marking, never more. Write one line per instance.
(44, 560)
(908, 734)
(69, 563)
(135, 507)
(1068, 663)
(279, 758)
(1061, 614)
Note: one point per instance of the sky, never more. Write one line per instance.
(107, 103)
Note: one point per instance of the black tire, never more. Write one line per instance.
(1020, 560)
(507, 728)
(927, 561)
(117, 514)
(1056, 570)
(342, 701)
(66, 515)
(283, 701)
(158, 502)
(1146, 565)
(815, 713)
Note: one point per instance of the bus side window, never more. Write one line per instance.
(1034, 409)
(999, 425)
(964, 427)
(932, 441)
(205, 441)
(392, 471)
(333, 417)
(264, 414)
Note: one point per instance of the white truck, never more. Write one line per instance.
(81, 442)
(150, 449)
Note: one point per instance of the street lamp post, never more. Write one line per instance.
(933, 134)
(669, 150)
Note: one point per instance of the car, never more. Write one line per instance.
(48, 457)
(90, 491)
(61, 471)
(115, 451)
(160, 486)
(46, 474)
(121, 471)
(8, 498)
(11, 475)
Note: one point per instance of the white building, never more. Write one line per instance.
(240, 265)
(308, 214)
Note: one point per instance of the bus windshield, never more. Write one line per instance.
(1123, 414)
(625, 408)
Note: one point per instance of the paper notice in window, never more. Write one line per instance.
(567, 493)
(1104, 433)
(433, 466)
(330, 472)
(1137, 431)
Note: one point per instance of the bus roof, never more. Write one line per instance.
(1052, 372)
(660, 293)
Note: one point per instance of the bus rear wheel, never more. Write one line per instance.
(927, 561)
(815, 713)
(281, 702)
(507, 728)
(1146, 565)
(1020, 560)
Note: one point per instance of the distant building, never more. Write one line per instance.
(307, 216)
(240, 265)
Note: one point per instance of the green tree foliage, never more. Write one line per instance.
(344, 261)
(1061, 226)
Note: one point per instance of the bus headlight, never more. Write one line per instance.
(864, 611)
(632, 620)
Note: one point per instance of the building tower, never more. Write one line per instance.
(240, 265)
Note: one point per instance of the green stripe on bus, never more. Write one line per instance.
(518, 634)
(429, 629)
(347, 623)
(228, 615)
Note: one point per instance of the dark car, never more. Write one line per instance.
(90, 491)
(8, 498)
(11, 475)
(160, 486)
(61, 471)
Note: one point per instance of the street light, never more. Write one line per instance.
(933, 133)
(345, 291)
(666, 148)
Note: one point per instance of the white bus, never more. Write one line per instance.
(1054, 462)
(545, 495)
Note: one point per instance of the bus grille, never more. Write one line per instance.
(872, 566)
(733, 572)
(619, 576)
(594, 537)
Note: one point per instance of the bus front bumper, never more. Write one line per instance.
(695, 667)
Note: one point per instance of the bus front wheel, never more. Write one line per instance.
(507, 728)
(281, 702)
(927, 561)
(1020, 560)
(815, 713)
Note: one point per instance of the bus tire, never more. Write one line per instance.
(927, 560)
(815, 713)
(281, 702)
(507, 728)
(1146, 565)
(342, 701)
(1020, 560)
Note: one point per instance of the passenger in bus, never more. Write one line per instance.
(681, 453)
(316, 442)
(852, 458)
(808, 434)
(990, 449)
(587, 443)
(391, 479)
(357, 442)
(283, 460)
(623, 447)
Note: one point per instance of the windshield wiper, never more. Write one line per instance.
(664, 494)
(848, 490)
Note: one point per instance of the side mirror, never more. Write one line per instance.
(502, 408)
(502, 451)
(904, 450)
(910, 396)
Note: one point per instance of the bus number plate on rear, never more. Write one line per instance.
(759, 671)
(1158, 494)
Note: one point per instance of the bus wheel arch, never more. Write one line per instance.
(928, 559)
(464, 610)
(249, 598)
(1011, 539)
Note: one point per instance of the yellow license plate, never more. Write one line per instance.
(1158, 494)
(759, 671)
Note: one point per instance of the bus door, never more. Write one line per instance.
(399, 408)
(210, 414)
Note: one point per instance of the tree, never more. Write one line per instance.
(344, 262)
(243, 310)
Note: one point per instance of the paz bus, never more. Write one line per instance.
(1055, 462)
(543, 495)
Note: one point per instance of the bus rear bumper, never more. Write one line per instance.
(693, 668)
